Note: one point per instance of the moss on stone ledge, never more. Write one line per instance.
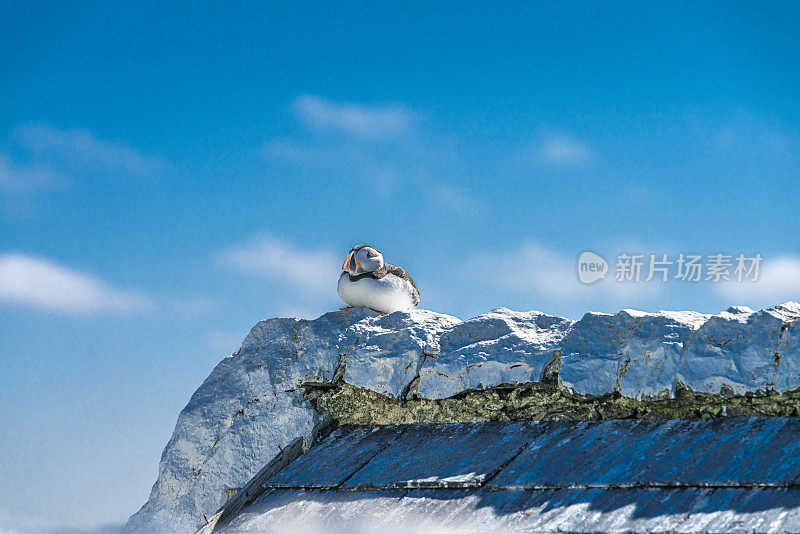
(533, 402)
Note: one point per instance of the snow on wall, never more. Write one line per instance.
(252, 403)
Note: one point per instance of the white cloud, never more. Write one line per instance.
(417, 160)
(51, 158)
(189, 305)
(778, 281)
(750, 135)
(563, 150)
(84, 151)
(533, 268)
(364, 121)
(27, 177)
(42, 284)
(382, 171)
(454, 200)
(552, 150)
(313, 272)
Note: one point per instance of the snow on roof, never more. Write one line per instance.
(622, 475)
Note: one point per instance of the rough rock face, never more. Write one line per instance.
(253, 402)
(384, 354)
(740, 350)
(649, 354)
(500, 347)
(634, 353)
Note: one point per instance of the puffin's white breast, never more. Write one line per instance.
(386, 295)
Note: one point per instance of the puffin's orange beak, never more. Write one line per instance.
(346, 264)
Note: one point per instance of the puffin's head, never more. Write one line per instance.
(363, 259)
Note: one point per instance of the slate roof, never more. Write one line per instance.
(731, 474)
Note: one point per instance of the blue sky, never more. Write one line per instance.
(170, 175)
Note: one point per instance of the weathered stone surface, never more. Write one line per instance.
(335, 460)
(238, 408)
(739, 351)
(727, 451)
(406, 456)
(385, 353)
(500, 347)
(788, 351)
(634, 353)
(252, 403)
(459, 455)
(649, 354)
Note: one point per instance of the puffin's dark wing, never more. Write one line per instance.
(402, 273)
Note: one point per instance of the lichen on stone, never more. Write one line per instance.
(348, 404)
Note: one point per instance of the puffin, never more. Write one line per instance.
(369, 281)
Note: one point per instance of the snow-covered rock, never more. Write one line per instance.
(632, 352)
(640, 354)
(385, 353)
(499, 347)
(243, 413)
(253, 402)
(788, 351)
(739, 351)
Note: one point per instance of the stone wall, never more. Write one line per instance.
(358, 366)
